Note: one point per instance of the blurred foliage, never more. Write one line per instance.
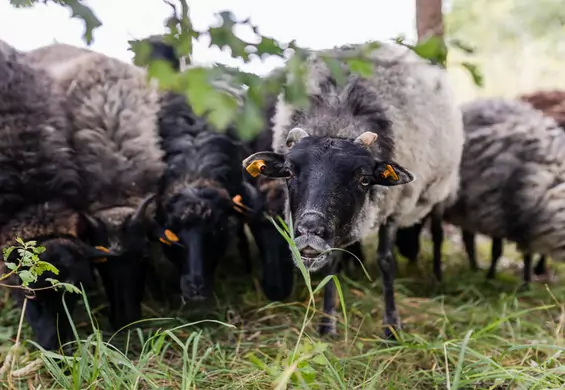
(229, 96)
(508, 22)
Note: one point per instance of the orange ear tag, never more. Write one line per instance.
(103, 249)
(171, 236)
(238, 206)
(100, 260)
(389, 172)
(256, 167)
(164, 241)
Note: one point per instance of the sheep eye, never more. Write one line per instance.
(364, 181)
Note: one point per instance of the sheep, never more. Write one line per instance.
(41, 196)
(200, 195)
(479, 114)
(113, 112)
(370, 154)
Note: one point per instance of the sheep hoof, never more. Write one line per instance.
(391, 332)
(327, 327)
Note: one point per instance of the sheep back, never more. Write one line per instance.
(114, 121)
(37, 164)
(512, 176)
(409, 104)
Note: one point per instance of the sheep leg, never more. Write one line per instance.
(328, 323)
(387, 265)
(437, 237)
(540, 268)
(495, 253)
(469, 242)
(527, 271)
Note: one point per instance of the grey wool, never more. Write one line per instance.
(409, 103)
(114, 113)
(512, 176)
(38, 169)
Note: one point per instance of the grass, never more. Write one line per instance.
(467, 333)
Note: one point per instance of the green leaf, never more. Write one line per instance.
(336, 70)
(223, 110)
(81, 11)
(27, 277)
(199, 89)
(223, 36)
(52, 281)
(11, 266)
(475, 73)
(250, 122)
(360, 66)
(43, 266)
(68, 287)
(269, 46)
(20, 241)
(462, 46)
(7, 252)
(433, 49)
(22, 3)
(164, 73)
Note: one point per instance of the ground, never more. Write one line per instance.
(467, 333)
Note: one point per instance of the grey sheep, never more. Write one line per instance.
(113, 112)
(41, 191)
(372, 154)
(492, 169)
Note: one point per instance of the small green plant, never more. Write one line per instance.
(27, 269)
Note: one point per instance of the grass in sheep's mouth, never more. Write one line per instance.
(466, 334)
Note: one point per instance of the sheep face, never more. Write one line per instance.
(195, 234)
(329, 181)
(45, 311)
(267, 199)
(123, 231)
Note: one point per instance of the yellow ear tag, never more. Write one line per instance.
(256, 167)
(171, 236)
(103, 249)
(389, 172)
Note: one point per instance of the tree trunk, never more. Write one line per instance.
(429, 19)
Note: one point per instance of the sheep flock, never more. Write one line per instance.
(113, 175)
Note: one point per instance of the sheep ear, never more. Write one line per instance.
(387, 173)
(269, 164)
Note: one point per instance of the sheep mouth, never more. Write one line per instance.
(313, 251)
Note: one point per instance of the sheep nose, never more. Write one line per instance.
(313, 224)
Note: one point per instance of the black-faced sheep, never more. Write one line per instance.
(113, 113)
(342, 185)
(196, 206)
(41, 191)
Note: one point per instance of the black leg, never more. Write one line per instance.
(495, 253)
(527, 271)
(243, 248)
(328, 323)
(469, 242)
(437, 237)
(541, 268)
(408, 241)
(387, 265)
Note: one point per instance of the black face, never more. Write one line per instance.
(277, 266)
(329, 181)
(122, 274)
(45, 312)
(194, 230)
